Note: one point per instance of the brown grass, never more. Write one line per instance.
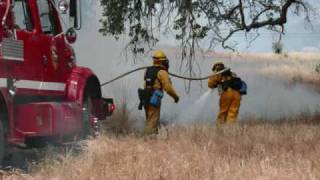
(287, 149)
(173, 51)
(121, 122)
(306, 56)
(297, 74)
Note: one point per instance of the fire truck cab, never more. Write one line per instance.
(43, 93)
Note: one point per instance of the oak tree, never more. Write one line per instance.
(191, 21)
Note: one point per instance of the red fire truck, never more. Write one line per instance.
(43, 93)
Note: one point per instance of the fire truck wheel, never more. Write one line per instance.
(87, 130)
(2, 143)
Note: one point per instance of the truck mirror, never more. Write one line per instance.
(75, 14)
(63, 6)
(71, 35)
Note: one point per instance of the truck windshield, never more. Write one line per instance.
(22, 15)
(47, 17)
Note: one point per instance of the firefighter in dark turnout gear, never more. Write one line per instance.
(156, 80)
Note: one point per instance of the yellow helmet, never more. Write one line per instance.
(159, 56)
(218, 66)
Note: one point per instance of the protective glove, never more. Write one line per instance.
(176, 99)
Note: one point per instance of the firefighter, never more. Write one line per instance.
(156, 80)
(230, 96)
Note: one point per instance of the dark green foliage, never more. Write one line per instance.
(318, 68)
(190, 21)
(277, 47)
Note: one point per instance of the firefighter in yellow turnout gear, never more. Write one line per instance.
(157, 78)
(230, 98)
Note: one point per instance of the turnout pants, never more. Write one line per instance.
(152, 122)
(229, 106)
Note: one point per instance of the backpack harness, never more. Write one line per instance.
(235, 83)
(150, 77)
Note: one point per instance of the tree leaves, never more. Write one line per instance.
(193, 20)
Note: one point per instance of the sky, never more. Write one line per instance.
(299, 35)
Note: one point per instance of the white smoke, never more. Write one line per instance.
(269, 95)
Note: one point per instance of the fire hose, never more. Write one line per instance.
(171, 74)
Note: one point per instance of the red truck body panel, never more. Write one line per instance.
(47, 119)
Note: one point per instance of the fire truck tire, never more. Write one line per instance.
(87, 130)
(2, 143)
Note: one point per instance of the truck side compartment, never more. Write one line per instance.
(48, 119)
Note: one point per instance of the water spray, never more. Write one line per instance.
(194, 111)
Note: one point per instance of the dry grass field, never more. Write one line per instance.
(256, 149)
(294, 66)
(305, 56)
